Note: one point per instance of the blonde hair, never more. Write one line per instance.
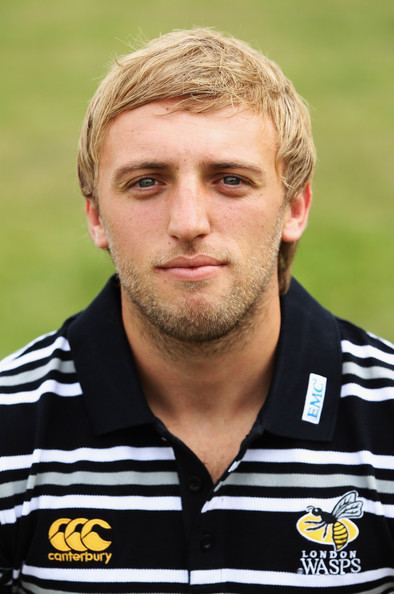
(205, 71)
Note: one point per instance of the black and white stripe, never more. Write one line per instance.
(55, 463)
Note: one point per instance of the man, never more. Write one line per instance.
(204, 425)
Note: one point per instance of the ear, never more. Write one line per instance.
(297, 214)
(95, 225)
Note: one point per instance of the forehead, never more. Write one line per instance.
(158, 131)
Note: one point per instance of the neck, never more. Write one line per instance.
(219, 378)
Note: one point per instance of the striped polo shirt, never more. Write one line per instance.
(96, 496)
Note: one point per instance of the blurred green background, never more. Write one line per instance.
(339, 53)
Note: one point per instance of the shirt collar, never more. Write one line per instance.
(309, 343)
(105, 364)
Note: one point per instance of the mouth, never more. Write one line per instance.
(193, 268)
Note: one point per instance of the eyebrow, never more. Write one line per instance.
(129, 168)
(120, 173)
(243, 165)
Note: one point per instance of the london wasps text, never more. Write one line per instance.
(329, 562)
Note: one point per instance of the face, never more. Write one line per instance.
(191, 208)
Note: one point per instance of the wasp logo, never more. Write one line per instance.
(78, 541)
(334, 528)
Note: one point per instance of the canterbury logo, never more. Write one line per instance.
(78, 540)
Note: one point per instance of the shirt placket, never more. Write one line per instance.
(205, 526)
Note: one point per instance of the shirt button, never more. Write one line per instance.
(194, 484)
(207, 542)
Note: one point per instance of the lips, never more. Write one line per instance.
(191, 262)
(199, 267)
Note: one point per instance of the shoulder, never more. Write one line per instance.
(30, 350)
(367, 364)
(364, 345)
(43, 365)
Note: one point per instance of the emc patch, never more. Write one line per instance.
(314, 398)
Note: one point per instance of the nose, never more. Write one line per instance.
(188, 217)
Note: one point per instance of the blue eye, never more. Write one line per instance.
(146, 182)
(232, 180)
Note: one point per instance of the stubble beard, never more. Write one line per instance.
(192, 322)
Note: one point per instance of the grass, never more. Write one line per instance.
(339, 54)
